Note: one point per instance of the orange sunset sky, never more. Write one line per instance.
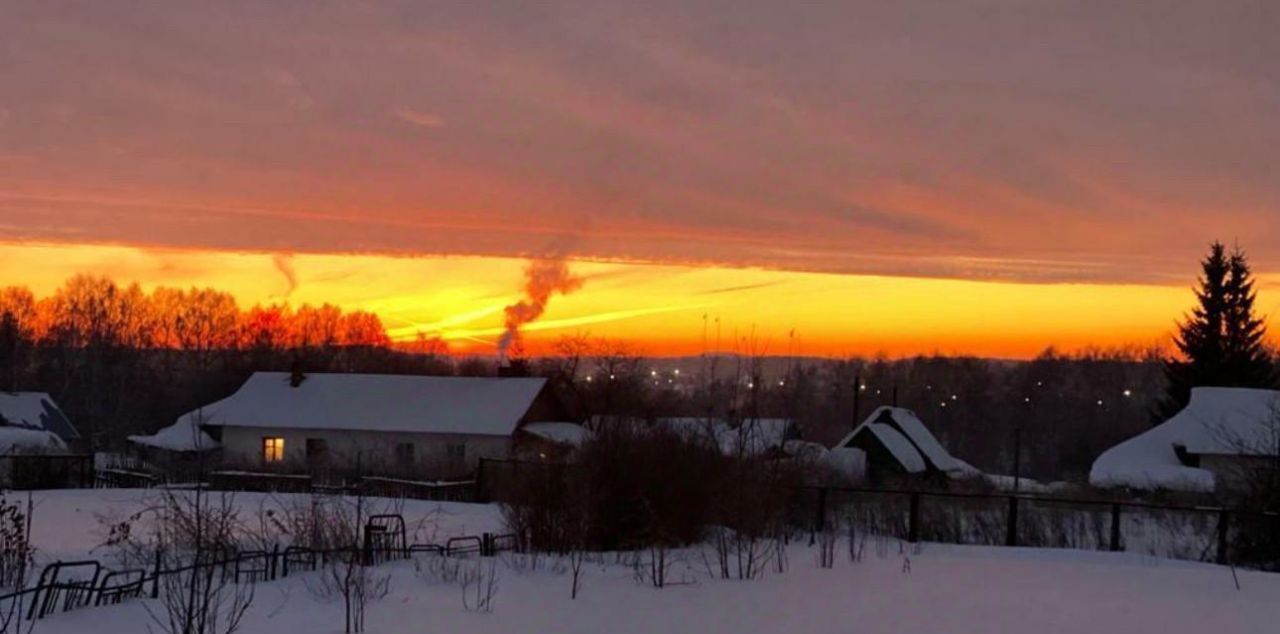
(980, 178)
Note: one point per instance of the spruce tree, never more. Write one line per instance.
(1221, 343)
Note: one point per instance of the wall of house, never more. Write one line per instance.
(243, 448)
(1232, 473)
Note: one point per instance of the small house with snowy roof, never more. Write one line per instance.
(32, 422)
(897, 444)
(410, 426)
(1212, 446)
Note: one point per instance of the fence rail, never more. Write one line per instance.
(66, 586)
(1198, 532)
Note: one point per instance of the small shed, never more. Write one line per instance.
(897, 444)
(35, 444)
(36, 412)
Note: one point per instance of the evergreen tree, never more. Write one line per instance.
(1248, 363)
(1222, 341)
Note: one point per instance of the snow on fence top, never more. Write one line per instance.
(35, 410)
(377, 402)
(1222, 421)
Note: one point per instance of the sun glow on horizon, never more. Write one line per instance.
(663, 310)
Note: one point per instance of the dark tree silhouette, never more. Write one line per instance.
(1221, 341)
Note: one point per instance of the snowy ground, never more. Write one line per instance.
(949, 589)
(72, 524)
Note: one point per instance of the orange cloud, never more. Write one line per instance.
(664, 309)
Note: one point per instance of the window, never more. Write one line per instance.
(404, 454)
(272, 449)
(317, 450)
(456, 452)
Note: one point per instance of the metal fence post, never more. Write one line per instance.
(820, 516)
(913, 518)
(1011, 531)
(1115, 528)
(481, 496)
(275, 559)
(155, 578)
(1224, 529)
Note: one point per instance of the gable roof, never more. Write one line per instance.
(377, 402)
(1217, 420)
(35, 410)
(907, 439)
(898, 445)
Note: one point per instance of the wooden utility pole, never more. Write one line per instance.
(857, 398)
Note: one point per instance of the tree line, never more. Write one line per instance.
(119, 359)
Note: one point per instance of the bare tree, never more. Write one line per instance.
(198, 594)
(16, 555)
(479, 583)
(352, 576)
(1256, 481)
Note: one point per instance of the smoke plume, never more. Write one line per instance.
(542, 278)
(284, 263)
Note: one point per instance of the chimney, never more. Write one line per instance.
(296, 376)
(514, 368)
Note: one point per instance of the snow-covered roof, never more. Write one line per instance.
(22, 440)
(562, 433)
(377, 402)
(1218, 420)
(910, 424)
(183, 435)
(899, 446)
(35, 410)
(907, 439)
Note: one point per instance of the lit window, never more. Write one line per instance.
(272, 449)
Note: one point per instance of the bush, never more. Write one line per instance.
(635, 486)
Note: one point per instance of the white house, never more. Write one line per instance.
(1220, 436)
(412, 425)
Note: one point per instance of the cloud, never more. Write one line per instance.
(846, 137)
(419, 118)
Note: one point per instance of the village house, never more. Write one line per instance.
(36, 443)
(1215, 445)
(409, 426)
(32, 422)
